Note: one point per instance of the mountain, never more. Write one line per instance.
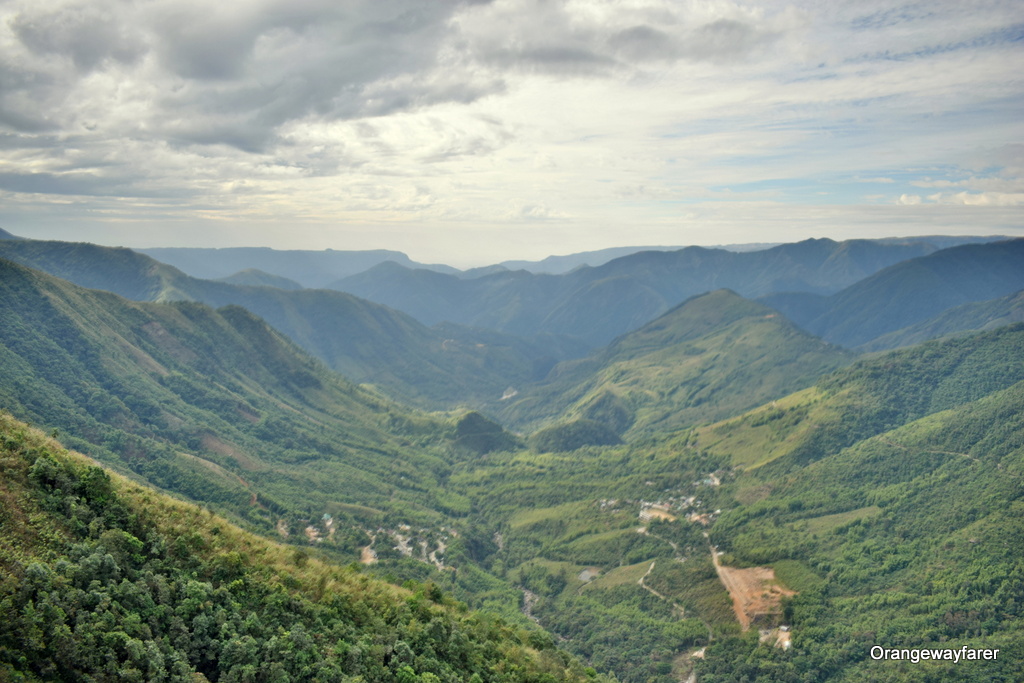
(597, 304)
(366, 342)
(254, 277)
(881, 506)
(4, 235)
(973, 317)
(308, 268)
(908, 293)
(104, 579)
(214, 405)
(714, 355)
(557, 265)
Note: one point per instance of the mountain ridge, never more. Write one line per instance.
(651, 282)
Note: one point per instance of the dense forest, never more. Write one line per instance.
(105, 580)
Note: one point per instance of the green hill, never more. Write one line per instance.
(869, 398)
(712, 356)
(901, 530)
(106, 580)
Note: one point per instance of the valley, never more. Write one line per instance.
(690, 479)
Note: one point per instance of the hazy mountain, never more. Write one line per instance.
(4, 235)
(974, 317)
(307, 267)
(908, 293)
(364, 341)
(714, 355)
(557, 265)
(598, 304)
(255, 277)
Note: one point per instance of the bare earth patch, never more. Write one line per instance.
(756, 596)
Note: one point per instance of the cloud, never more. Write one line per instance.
(570, 112)
(611, 39)
(979, 198)
(88, 35)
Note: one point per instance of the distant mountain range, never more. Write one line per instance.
(308, 268)
(523, 324)
(597, 304)
(909, 293)
(366, 342)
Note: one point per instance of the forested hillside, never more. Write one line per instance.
(214, 405)
(959, 320)
(105, 580)
(909, 536)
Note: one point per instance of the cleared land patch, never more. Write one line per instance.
(620, 576)
(756, 595)
(819, 525)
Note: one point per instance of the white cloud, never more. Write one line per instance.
(979, 198)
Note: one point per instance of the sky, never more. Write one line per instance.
(474, 132)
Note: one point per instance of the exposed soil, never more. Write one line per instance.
(756, 596)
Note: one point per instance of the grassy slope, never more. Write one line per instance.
(868, 398)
